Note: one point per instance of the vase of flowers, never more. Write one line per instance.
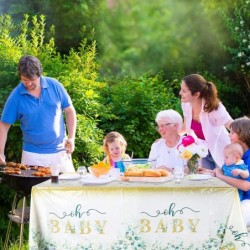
(193, 164)
(192, 150)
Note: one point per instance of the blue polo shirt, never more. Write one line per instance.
(246, 159)
(41, 119)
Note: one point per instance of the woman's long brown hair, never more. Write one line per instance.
(208, 91)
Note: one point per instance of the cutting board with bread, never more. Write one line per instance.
(146, 175)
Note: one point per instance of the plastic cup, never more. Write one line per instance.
(54, 175)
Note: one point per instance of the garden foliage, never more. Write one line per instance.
(134, 103)
(127, 105)
(238, 27)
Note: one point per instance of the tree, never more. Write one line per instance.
(72, 19)
(239, 30)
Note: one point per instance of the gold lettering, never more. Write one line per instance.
(100, 227)
(193, 225)
(177, 225)
(84, 227)
(229, 246)
(69, 228)
(161, 227)
(55, 226)
(145, 226)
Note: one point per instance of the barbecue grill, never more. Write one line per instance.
(22, 185)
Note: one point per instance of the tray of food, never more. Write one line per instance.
(146, 175)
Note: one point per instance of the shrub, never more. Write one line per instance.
(133, 104)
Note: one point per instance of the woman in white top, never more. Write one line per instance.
(164, 150)
(205, 117)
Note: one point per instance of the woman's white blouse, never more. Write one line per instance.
(165, 156)
(213, 127)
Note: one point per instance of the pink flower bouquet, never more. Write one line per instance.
(191, 150)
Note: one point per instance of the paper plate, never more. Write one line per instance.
(69, 176)
(94, 180)
(199, 177)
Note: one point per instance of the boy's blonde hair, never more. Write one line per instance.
(111, 137)
(234, 148)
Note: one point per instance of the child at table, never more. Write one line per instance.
(114, 146)
(233, 164)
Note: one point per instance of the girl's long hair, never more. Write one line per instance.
(111, 137)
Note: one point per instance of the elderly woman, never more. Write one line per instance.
(164, 150)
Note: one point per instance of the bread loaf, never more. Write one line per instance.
(146, 172)
(137, 172)
(163, 172)
(151, 173)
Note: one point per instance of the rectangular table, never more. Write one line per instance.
(124, 215)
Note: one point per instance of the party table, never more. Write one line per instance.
(202, 214)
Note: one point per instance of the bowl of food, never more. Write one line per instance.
(100, 169)
(139, 163)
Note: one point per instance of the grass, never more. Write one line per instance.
(15, 245)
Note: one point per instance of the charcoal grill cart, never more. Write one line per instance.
(22, 185)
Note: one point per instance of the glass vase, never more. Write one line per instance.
(193, 165)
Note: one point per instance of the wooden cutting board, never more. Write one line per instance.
(146, 179)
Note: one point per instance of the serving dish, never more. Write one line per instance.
(139, 163)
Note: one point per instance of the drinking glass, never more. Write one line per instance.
(178, 173)
(178, 176)
(82, 170)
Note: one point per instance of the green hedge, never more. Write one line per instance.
(133, 104)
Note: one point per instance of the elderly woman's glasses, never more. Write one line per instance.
(163, 125)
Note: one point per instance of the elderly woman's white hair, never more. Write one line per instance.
(172, 116)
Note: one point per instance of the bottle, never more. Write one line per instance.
(120, 165)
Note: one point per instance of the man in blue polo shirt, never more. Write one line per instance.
(39, 103)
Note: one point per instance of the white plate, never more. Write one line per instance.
(199, 177)
(94, 180)
(69, 176)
